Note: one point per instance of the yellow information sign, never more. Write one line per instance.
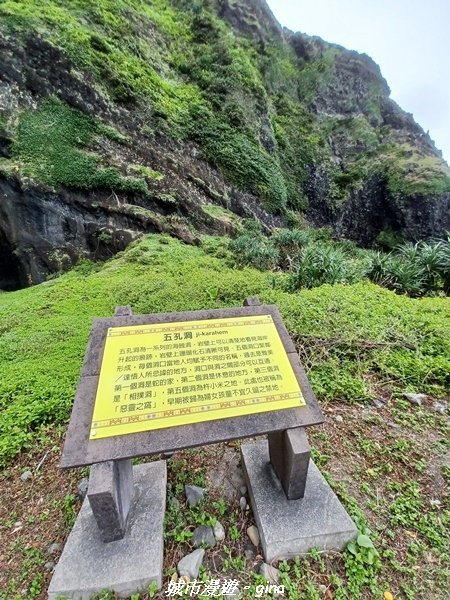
(168, 374)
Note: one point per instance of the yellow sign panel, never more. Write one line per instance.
(169, 374)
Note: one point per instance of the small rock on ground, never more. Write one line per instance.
(49, 566)
(82, 488)
(249, 551)
(53, 548)
(26, 475)
(243, 503)
(439, 408)
(233, 596)
(253, 534)
(377, 403)
(219, 532)
(190, 564)
(339, 418)
(174, 503)
(270, 573)
(417, 399)
(203, 536)
(249, 554)
(194, 494)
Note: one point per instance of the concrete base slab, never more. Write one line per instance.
(290, 528)
(87, 565)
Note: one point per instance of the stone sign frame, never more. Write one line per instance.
(294, 507)
(79, 450)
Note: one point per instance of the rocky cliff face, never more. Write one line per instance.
(119, 117)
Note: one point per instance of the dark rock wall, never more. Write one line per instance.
(329, 135)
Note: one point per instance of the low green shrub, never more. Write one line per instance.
(413, 269)
(433, 258)
(313, 259)
(377, 267)
(405, 277)
(396, 273)
(249, 251)
(288, 242)
(318, 264)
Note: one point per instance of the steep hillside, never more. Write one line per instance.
(129, 116)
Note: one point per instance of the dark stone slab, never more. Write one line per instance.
(110, 493)
(79, 450)
(289, 455)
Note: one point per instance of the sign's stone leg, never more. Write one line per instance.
(110, 488)
(252, 301)
(289, 454)
(123, 311)
(127, 566)
(110, 493)
(290, 528)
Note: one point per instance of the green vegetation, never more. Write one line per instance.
(313, 259)
(249, 105)
(131, 66)
(411, 173)
(52, 142)
(317, 264)
(243, 160)
(146, 172)
(44, 329)
(190, 76)
(415, 269)
(254, 251)
(221, 213)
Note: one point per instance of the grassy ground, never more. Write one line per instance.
(389, 465)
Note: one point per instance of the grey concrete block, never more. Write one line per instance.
(290, 528)
(88, 565)
(110, 494)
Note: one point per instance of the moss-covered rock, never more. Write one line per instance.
(101, 96)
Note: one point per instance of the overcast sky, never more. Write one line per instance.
(409, 39)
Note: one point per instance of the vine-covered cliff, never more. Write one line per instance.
(125, 116)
